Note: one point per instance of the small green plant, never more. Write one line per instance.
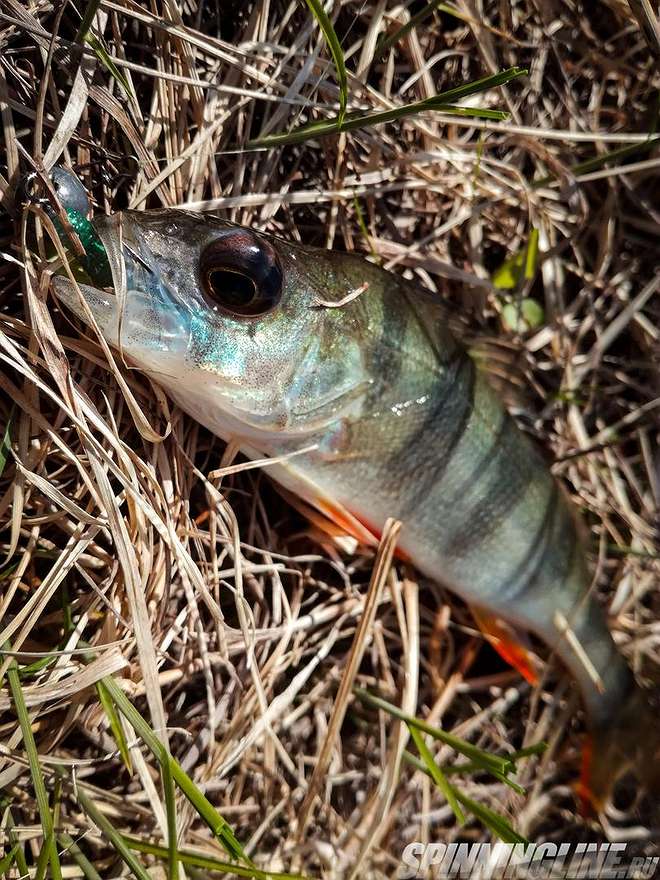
(479, 761)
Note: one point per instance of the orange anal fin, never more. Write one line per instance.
(506, 642)
(587, 799)
(337, 521)
(357, 527)
(331, 519)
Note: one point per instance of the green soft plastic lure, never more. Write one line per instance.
(72, 195)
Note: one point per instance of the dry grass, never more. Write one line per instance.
(223, 615)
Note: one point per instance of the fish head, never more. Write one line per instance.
(228, 321)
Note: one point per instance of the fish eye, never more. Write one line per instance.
(241, 274)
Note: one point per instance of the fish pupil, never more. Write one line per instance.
(232, 289)
(240, 274)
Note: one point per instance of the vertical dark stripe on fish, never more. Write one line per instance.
(526, 570)
(558, 547)
(429, 449)
(497, 482)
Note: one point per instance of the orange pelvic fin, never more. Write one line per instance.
(508, 644)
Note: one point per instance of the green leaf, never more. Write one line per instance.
(497, 823)
(219, 826)
(8, 859)
(532, 254)
(70, 846)
(107, 61)
(12, 836)
(319, 13)
(384, 44)
(507, 277)
(603, 159)
(111, 834)
(523, 316)
(87, 20)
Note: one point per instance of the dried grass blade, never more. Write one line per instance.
(75, 106)
(5, 443)
(382, 564)
(57, 497)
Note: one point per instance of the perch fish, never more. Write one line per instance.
(397, 420)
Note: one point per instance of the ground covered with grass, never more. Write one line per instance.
(178, 643)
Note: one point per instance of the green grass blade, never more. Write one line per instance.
(38, 782)
(532, 254)
(496, 823)
(601, 160)
(69, 844)
(321, 16)
(219, 826)
(19, 855)
(8, 859)
(436, 773)
(353, 121)
(442, 102)
(492, 820)
(484, 760)
(32, 669)
(44, 858)
(105, 58)
(83, 35)
(197, 860)
(5, 443)
(115, 725)
(87, 20)
(113, 837)
(362, 223)
(170, 812)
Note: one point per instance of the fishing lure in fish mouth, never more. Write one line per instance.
(386, 415)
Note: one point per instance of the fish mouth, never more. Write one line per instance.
(140, 313)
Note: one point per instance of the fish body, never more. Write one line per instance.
(352, 374)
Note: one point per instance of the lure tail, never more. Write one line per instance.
(631, 741)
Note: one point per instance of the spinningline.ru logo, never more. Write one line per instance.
(533, 861)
